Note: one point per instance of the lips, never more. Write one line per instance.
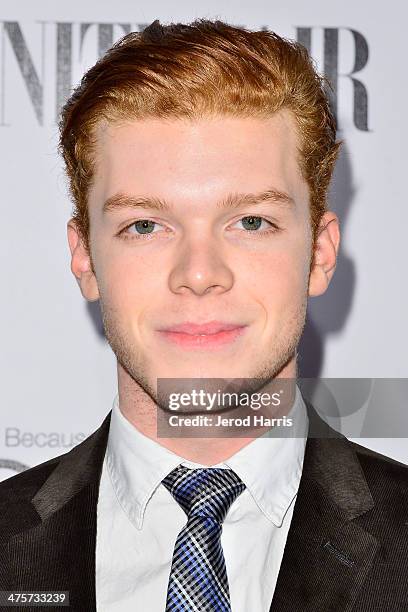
(201, 329)
(203, 337)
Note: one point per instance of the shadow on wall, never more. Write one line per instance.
(328, 313)
(94, 312)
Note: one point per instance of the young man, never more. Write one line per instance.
(199, 158)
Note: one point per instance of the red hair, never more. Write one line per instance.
(192, 71)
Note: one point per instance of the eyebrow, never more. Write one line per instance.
(120, 201)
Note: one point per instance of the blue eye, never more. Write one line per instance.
(142, 228)
(253, 223)
(145, 226)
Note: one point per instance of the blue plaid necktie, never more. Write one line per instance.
(198, 579)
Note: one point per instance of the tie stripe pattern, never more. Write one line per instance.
(198, 578)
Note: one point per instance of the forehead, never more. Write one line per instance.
(189, 159)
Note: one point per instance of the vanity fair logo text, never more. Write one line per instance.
(43, 60)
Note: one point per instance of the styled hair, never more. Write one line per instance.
(195, 70)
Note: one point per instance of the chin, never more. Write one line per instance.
(205, 371)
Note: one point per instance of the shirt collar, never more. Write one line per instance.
(136, 464)
(270, 467)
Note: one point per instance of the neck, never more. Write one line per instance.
(141, 411)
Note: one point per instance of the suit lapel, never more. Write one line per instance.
(55, 550)
(327, 554)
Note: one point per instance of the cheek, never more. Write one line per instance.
(128, 285)
(279, 281)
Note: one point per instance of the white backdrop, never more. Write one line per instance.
(58, 375)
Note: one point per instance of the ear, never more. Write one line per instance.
(81, 266)
(324, 254)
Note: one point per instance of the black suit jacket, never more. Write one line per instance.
(347, 547)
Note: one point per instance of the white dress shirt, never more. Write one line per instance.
(138, 520)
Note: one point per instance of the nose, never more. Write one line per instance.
(201, 267)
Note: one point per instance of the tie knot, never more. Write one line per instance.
(206, 492)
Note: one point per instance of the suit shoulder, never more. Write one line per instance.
(381, 469)
(374, 456)
(26, 483)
